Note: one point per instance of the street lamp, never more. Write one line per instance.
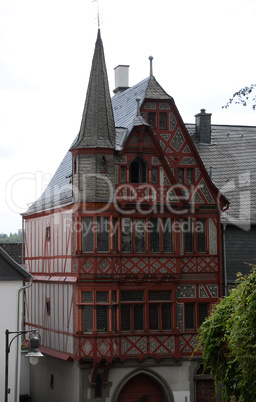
(33, 351)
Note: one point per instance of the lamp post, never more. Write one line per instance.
(34, 352)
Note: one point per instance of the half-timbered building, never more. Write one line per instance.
(125, 249)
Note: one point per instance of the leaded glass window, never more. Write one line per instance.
(87, 318)
(125, 317)
(101, 297)
(167, 235)
(188, 235)
(153, 311)
(203, 312)
(132, 295)
(102, 318)
(87, 297)
(159, 295)
(154, 171)
(152, 119)
(162, 121)
(201, 235)
(189, 176)
(166, 317)
(103, 234)
(138, 313)
(126, 235)
(87, 234)
(140, 236)
(123, 174)
(190, 316)
(180, 174)
(154, 228)
(115, 234)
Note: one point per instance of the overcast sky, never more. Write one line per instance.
(203, 52)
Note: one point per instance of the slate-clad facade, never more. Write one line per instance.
(125, 250)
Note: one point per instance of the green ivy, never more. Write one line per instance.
(228, 341)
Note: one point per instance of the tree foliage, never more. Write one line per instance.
(228, 341)
(242, 97)
(13, 238)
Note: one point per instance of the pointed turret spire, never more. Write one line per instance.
(97, 127)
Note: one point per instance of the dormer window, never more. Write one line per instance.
(152, 119)
(138, 171)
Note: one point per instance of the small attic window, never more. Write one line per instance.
(48, 233)
(103, 164)
(162, 121)
(138, 170)
(152, 119)
(75, 165)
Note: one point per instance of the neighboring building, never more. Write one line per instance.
(12, 278)
(125, 250)
(14, 250)
(229, 155)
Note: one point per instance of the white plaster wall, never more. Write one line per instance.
(8, 303)
(66, 379)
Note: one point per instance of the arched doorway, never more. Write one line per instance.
(141, 388)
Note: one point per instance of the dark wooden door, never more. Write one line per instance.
(205, 391)
(141, 388)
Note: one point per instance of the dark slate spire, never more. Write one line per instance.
(97, 127)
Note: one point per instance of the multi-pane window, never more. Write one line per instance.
(154, 171)
(122, 174)
(160, 310)
(154, 235)
(140, 236)
(190, 316)
(127, 235)
(201, 235)
(203, 312)
(96, 234)
(185, 175)
(88, 234)
(103, 234)
(137, 230)
(162, 121)
(167, 235)
(188, 229)
(100, 300)
(132, 310)
(152, 119)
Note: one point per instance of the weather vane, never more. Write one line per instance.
(98, 13)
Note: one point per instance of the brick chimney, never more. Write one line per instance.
(121, 78)
(203, 127)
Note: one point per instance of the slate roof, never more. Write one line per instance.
(14, 250)
(231, 158)
(125, 105)
(97, 127)
(10, 270)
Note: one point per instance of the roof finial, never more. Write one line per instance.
(138, 106)
(151, 65)
(98, 13)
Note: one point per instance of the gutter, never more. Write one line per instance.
(18, 352)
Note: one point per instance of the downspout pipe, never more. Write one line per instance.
(18, 354)
(225, 261)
